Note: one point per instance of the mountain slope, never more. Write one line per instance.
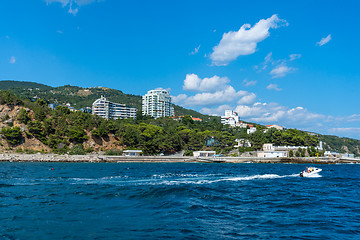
(80, 97)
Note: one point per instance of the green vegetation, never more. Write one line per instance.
(80, 97)
(65, 131)
(12, 135)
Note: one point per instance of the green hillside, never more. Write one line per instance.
(84, 97)
(80, 97)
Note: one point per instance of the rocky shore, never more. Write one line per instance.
(7, 157)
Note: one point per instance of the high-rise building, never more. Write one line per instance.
(108, 110)
(157, 103)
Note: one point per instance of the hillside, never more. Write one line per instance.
(83, 97)
(80, 97)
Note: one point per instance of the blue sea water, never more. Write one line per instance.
(177, 201)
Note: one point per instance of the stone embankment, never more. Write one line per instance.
(166, 159)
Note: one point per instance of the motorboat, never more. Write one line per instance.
(309, 171)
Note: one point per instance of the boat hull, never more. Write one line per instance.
(308, 174)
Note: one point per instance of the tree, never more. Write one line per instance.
(12, 135)
(23, 116)
(291, 153)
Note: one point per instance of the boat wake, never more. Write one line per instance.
(176, 180)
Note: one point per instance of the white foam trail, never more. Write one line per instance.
(179, 180)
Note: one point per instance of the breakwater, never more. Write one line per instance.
(169, 159)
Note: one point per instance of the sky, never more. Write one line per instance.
(291, 63)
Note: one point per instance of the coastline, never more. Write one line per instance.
(97, 158)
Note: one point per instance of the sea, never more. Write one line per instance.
(178, 201)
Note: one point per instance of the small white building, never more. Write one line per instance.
(331, 154)
(132, 153)
(204, 153)
(269, 151)
(251, 130)
(347, 155)
(242, 143)
(271, 154)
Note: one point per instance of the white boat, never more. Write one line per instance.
(310, 171)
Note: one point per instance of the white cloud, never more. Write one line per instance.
(294, 57)
(347, 130)
(179, 98)
(12, 60)
(248, 83)
(247, 100)
(196, 50)
(324, 40)
(73, 5)
(244, 41)
(275, 113)
(281, 70)
(273, 87)
(193, 83)
(219, 97)
(59, 32)
(219, 111)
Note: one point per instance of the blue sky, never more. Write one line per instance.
(292, 63)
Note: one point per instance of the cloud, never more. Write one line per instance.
(346, 131)
(59, 32)
(247, 100)
(215, 98)
(248, 83)
(219, 111)
(193, 83)
(73, 5)
(273, 87)
(294, 57)
(281, 71)
(244, 41)
(196, 50)
(324, 40)
(179, 98)
(275, 113)
(12, 60)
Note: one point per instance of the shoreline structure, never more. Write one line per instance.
(95, 158)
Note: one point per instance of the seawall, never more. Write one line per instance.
(7, 157)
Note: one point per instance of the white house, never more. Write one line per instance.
(272, 154)
(251, 130)
(132, 153)
(242, 143)
(204, 153)
(270, 151)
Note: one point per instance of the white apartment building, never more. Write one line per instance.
(157, 103)
(108, 110)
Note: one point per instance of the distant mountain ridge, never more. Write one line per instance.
(80, 97)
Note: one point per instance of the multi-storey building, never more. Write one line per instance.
(106, 109)
(231, 118)
(157, 103)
